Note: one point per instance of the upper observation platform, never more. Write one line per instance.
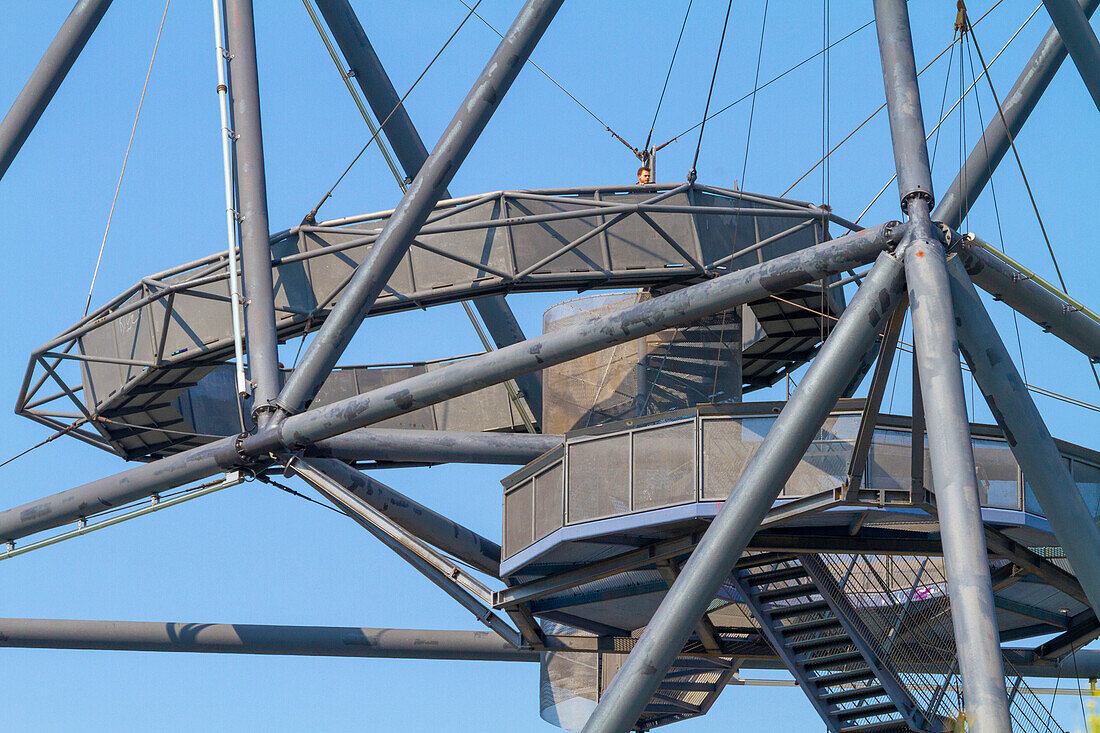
(137, 375)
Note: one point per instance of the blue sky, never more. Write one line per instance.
(254, 555)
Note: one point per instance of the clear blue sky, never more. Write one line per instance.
(253, 554)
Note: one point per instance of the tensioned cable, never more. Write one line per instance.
(908, 348)
(125, 158)
(1023, 175)
(272, 482)
(881, 107)
(771, 81)
(952, 110)
(996, 209)
(382, 125)
(55, 436)
(713, 76)
(752, 106)
(664, 88)
(554, 81)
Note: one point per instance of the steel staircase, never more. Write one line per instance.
(831, 654)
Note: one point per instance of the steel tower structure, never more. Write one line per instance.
(667, 539)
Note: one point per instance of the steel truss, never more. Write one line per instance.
(908, 255)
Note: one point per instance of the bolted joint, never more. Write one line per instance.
(917, 194)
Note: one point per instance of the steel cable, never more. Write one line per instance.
(713, 76)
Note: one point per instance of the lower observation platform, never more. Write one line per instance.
(656, 482)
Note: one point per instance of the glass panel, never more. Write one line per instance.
(549, 501)
(1088, 483)
(664, 466)
(727, 447)
(825, 465)
(1031, 502)
(890, 463)
(997, 474)
(517, 518)
(599, 478)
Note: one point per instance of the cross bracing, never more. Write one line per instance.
(136, 357)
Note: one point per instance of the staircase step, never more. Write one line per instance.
(853, 694)
(818, 643)
(887, 726)
(776, 576)
(868, 711)
(803, 627)
(841, 678)
(766, 558)
(801, 609)
(792, 591)
(832, 660)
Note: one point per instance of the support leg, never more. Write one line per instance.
(47, 77)
(259, 314)
(1080, 39)
(1027, 434)
(756, 490)
(430, 183)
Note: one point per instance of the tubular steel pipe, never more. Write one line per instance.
(411, 153)
(47, 77)
(415, 518)
(259, 314)
(1024, 294)
(329, 641)
(757, 488)
(899, 76)
(426, 189)
(973, 613)
(996, 140)
(675, 309)
(678, 308)
(435, 446)
(1080, 39)
(1026, 433)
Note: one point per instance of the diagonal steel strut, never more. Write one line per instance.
(750, 500)
(424, 192)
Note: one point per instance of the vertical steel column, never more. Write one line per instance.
(1080, 39)
(259, 314)
(1027, 434)
(973, 614)
(784, 446)
(47, 77)
(430, 183)
(996, 140)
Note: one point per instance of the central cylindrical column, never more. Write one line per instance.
(899, 75)
(973, 613)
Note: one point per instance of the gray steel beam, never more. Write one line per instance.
(426, 189)
(1080, 39)
(1030, 299)
(255, 639)
(749, 501)
(1032, 445)
(675, 309)
(973, 613)
(445, 575)
(996, 140)
(259, 312)
(401, 445)
(899, 76)
(435, 529)
(411, 153)
(679, 308)
(47, 77)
